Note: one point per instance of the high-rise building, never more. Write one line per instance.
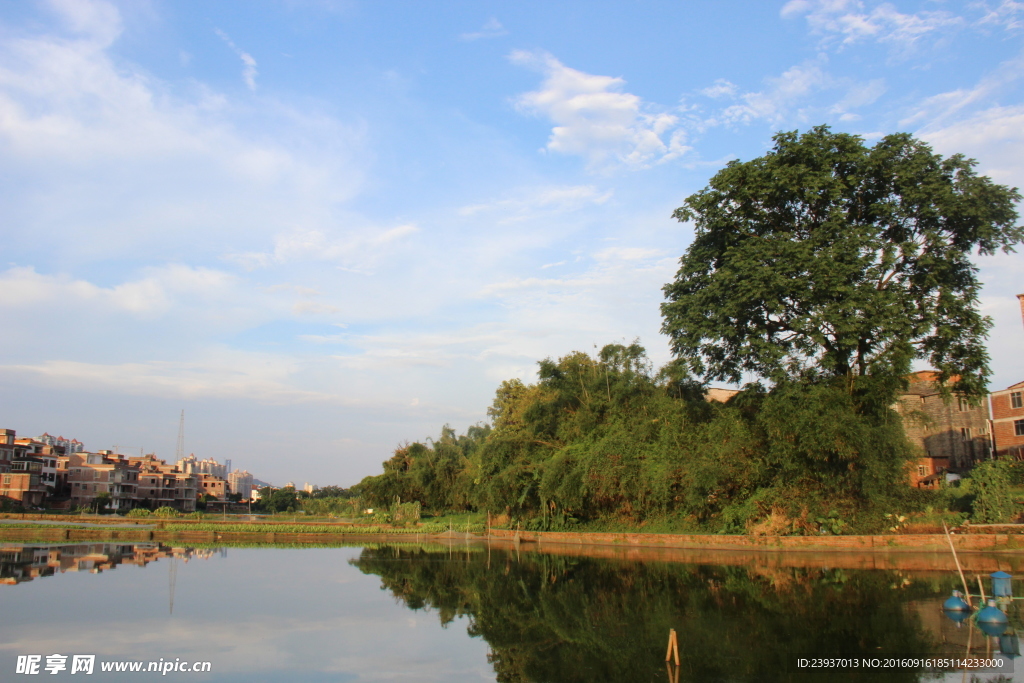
(240, 481)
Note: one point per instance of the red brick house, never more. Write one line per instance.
(1008, 421)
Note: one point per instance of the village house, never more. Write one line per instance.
(950, 434)
(164, 485)
(1008, 421)
(211, 485)
(90, 474)
(1008, 415)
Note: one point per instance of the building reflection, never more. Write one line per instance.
(24, 562)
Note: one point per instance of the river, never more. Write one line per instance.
(474, 613)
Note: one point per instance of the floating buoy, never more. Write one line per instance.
(956, 603)
(990, 628)
(992, 614)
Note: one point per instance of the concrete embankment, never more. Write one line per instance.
(922, 553)
(970, 542)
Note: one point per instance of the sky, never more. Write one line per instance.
(323, 228)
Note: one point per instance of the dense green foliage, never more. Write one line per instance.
(827, 258)
(606, 437)
(993, 502)
(280, 500)
(331, 507)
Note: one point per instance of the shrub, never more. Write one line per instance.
(993, 503)
(165, 511)
(139, 512)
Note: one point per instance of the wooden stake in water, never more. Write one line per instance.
(981, 589)
(967, 591)
(673, 647)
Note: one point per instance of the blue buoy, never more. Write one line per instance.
(1001, 585)
(992, 615)
(990, 628)
(956, 603)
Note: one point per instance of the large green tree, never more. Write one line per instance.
(826, 258)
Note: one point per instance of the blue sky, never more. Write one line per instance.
(324, 228)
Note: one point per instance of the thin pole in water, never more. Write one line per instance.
(967, 591)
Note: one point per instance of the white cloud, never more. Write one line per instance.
(859, 95)
(994, 135)
(249, 71)
(531, 202)
(491, 29)
(721, 88)
(356, 250)
(152, 295)
(1009, 14)
(938, 109)
(118, 165)
(597, 121)
(92, 19)
(259, 377)
(849, 21)
(777, 102)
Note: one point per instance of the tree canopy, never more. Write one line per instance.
(826, 258)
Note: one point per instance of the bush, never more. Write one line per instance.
(165, 511)
(406, 513)
(993, 503)
(139, 512)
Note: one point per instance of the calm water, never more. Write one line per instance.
(427, 613)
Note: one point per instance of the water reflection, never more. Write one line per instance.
(20, 563)
(469, 613)
(557, 618)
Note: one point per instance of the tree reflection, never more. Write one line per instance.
(560, 619)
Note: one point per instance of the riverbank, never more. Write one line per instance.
(989, 539)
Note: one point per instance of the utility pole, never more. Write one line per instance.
(179, 452)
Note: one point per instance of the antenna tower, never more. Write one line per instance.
(179, 452)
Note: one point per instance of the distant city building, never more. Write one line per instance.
(63, 446)
(308, 488)
(240, 482)
(192, 465)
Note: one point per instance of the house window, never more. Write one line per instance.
(7, 480)
(1017, 399)
(965, 433)
(963, 405)
(1018, 427)
(920, 470)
